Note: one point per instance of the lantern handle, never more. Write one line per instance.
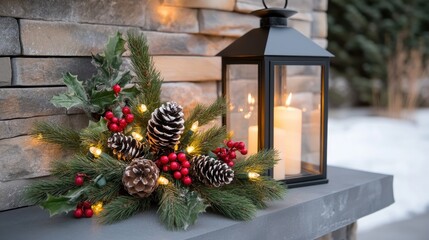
(265, 5)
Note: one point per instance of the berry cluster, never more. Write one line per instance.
(79, 179)
(228, 154)
(83, 209)
(116, 89)
(178, 164)
(118, 125)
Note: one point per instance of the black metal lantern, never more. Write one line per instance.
(276, 82)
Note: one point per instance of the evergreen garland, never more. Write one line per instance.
(95, 176)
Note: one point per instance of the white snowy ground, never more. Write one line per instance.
(390, 146)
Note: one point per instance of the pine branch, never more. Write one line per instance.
(95, 134)
(106, 193)
(204, 142)
(53, 133)
(259, 162)
(122, 208)
(38, 192)
(149, 80)
(204, 114)
(229, 203)
(179, 207)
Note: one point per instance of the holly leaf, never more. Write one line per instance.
(129, 93)
(114, 50)
(123, 79)
(195, 205)
(75, 87)
(99, 126)
(103, 98)
(66, 100)
(56, 205)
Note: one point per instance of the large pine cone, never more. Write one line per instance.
(165, 126)
(125, 147)
(141, 177)
(211, 171)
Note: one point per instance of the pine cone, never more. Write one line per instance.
(165, 126)
(211, 171)
(141, 177)
(125, 147)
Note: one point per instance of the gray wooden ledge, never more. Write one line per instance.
(305, 213)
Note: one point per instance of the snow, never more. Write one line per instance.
(390, 146)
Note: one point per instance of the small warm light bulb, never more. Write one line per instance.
(39, 136)
(137, 136)
(289, 99)
(143, 108)
(95, 151)
(163, 181)
(97, 207)
(194, 126)
(190, 149)
(253, 175)
(176, 147)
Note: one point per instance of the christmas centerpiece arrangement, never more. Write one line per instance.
(138, 151)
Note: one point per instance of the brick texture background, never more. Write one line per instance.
(40, 40)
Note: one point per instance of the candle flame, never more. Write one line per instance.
(289, 99)
(249, 98)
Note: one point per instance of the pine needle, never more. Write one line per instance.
(149, 79)
(204, 114)
(229, 203)
(204, 142)
(53, 133)
(122, 208)
(37, 192)
(259, 162)
(106, 193)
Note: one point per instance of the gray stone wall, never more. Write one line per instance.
(40, 40)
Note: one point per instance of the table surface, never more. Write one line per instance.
(305, 213)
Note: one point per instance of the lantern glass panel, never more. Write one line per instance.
(242, 96)
(297, 120)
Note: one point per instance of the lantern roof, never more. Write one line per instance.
(274, 38)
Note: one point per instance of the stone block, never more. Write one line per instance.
(320, 5)
(9, 36)
(26, 157)
(71, 39)
(5, 71)
(175, 68)
(28, 102)
(47, 10)
(319, 26)
(214, 22)
(12, 194)
(19, 127)
(252, 5)
(49, 71)
(189, 94)
(226, 5)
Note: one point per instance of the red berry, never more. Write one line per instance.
(88, 213)
(79, 205)
(116, 88)
(108, 115)
(129, 118)
(126, 110)
(223, 151)
(114, 120)
(186, 164)
(244, 151)
(164, 159)
(158, 164)
(78, 181)
(166, 168)
(230, 144)
(231, 164)
(232, 155)
(187, 181)
(184, 171)
(217, 150)
(86, 204)
(182, 157)
(177, 175)
(78, 213)
(241, 146)
(120, 129)
(174, 166)
(113, 127)
(123, 123)
(172, 157)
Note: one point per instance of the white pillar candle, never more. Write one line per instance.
(279, 136)
(289, 119)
